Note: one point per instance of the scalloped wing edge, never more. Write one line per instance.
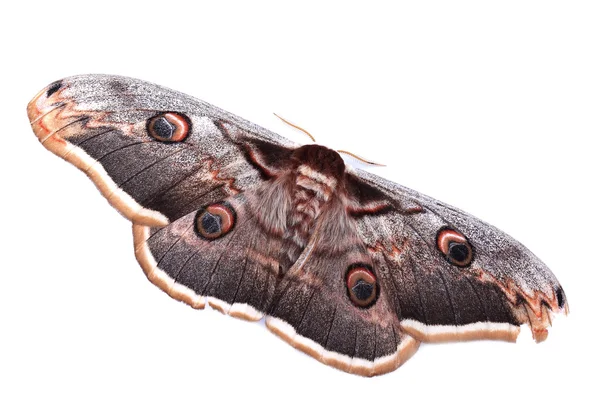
(406, 348)
(381, 365)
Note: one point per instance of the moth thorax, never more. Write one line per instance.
(313, 190)
(318, 170)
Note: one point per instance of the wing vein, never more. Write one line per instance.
(330, 326)
(440, 273)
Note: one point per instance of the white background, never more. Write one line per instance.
(490, 107)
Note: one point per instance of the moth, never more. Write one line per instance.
(346, 266)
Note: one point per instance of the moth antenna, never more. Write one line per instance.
(296, 126)
(362, 159)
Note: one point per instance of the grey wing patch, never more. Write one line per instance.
(100, 123)
(503, 286)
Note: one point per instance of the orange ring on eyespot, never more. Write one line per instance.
(455, 247)
(361, 285)
(215, 221)
(169, 127)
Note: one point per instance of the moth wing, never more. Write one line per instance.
(311, 308)
(235, 271)
(154, 153)
(503, 286)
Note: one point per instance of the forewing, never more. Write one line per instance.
(502, 286)
(110, 127)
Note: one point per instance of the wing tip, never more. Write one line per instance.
(46, 118)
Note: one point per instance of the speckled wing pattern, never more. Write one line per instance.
(502, 287)
(350, 268)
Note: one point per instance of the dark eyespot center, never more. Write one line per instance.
(362, 290)
(163, 128)
(361, 285)
(458, 251)
(211, 223)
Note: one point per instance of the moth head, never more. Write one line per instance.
(321, 160)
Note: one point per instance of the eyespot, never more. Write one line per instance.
(215, 221)
(455, 247)
(361, 285)
(169, 127)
